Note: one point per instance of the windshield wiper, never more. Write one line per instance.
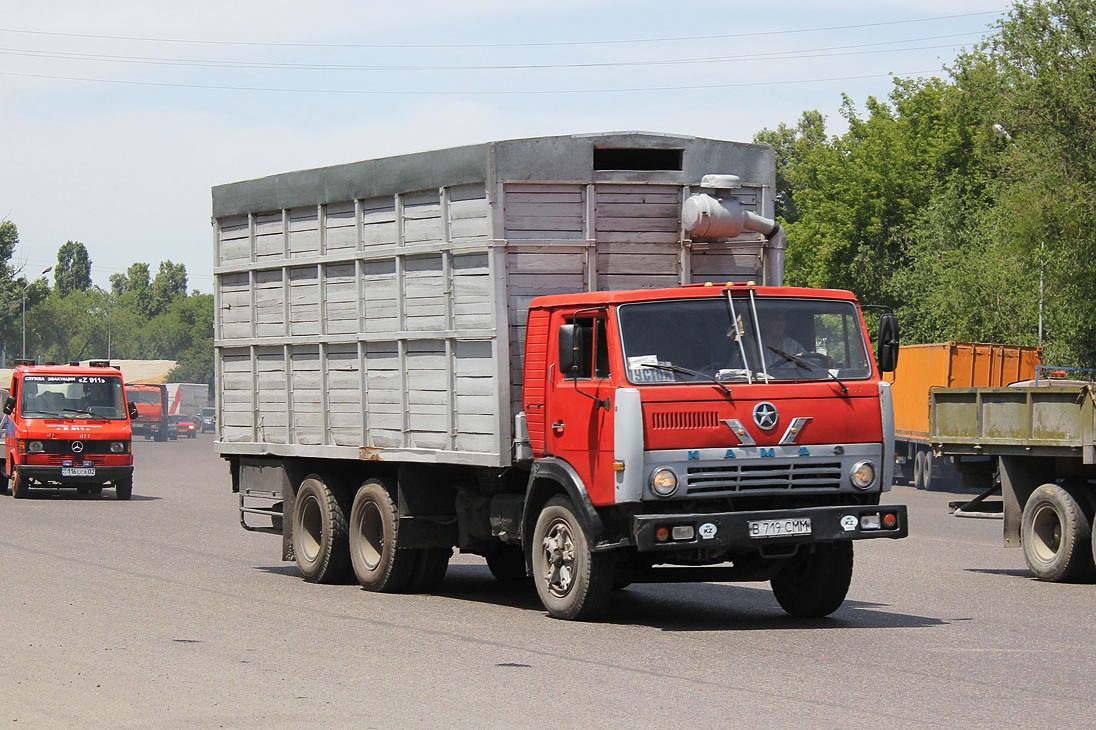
(85, 412)
(808, 365)
(686, 371)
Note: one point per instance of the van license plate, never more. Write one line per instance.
(77, 471)
(779, 528)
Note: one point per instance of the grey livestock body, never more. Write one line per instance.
(376, 310)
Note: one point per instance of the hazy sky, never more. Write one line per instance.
(116, 118)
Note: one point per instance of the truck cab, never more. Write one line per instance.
(713, 424)
(68, 426)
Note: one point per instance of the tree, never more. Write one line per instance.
(169, 284)
(73, 270)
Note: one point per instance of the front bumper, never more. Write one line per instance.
(733, 529)
(55, 475)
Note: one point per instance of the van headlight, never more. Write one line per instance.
(862, 475)
(36, 447)
(663, 481)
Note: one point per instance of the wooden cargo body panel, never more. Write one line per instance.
(952, 365)
(378, 309)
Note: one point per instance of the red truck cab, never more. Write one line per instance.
(68, 426)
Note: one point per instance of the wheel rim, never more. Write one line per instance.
(310, 529)
(558, 551)
(1046, 529)
(370, 528)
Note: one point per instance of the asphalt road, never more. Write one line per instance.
(161, 612)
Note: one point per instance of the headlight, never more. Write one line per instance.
(663, 481)
(117, 447)
(35, 447)
(862, 475)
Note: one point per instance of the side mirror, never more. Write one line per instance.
(132, 410)
(887, 354)
(9, 405)
(568, 351)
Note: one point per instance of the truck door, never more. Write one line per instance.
(579, 417)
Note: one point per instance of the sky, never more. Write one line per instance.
(117, 118)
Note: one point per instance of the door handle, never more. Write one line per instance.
(557, 428)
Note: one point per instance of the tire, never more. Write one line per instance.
(123, 489)
(815, 582)
(507, 565)
(378, 562)
(320, 530)
(926, 471)
(1056, 535)
(430, 567)
(919, 469)
(572, 582)
(20, 485)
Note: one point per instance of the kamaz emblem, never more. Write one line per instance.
(765, 415)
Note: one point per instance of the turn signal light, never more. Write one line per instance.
(890, 520)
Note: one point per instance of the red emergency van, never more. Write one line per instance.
(67, 426)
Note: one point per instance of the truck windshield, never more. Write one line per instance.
(72, 396)
(743, 339)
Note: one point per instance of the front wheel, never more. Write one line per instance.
(1055, 533)
(815, 582)
(123, 489)
(572, 581)
(320, 530)
(20, 485)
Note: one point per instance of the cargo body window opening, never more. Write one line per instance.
(623, 158)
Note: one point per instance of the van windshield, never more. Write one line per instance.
(743, 339)
(72, 396)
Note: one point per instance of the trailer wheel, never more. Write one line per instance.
(320, 531)
(1056, 535)
(507, 565)
(572, 581)
(918, 469)
(378, 562)
(815, 582)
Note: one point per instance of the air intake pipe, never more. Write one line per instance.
(720, 216)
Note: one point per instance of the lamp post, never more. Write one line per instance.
(24, 295)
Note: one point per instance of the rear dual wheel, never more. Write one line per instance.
(320, 530)
(380, 564)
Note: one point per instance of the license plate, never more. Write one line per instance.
(77, 471)
(779, 528)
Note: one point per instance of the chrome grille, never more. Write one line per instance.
(750, 476)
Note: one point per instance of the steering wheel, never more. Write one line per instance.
(819, 360)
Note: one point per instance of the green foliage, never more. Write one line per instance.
(73, 270)
(921, 207)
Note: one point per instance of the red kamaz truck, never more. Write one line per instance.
(568, 355)
(68, 426)
(152, 404)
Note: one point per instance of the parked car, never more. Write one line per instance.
(182, 426)
(208, 418)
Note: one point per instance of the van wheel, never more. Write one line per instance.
(123, 489)
(20, 485)
(572, 581)
(815, 582)
(1055, 533)
(379, 564)
(320, 530)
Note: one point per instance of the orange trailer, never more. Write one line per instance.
(947, 364)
